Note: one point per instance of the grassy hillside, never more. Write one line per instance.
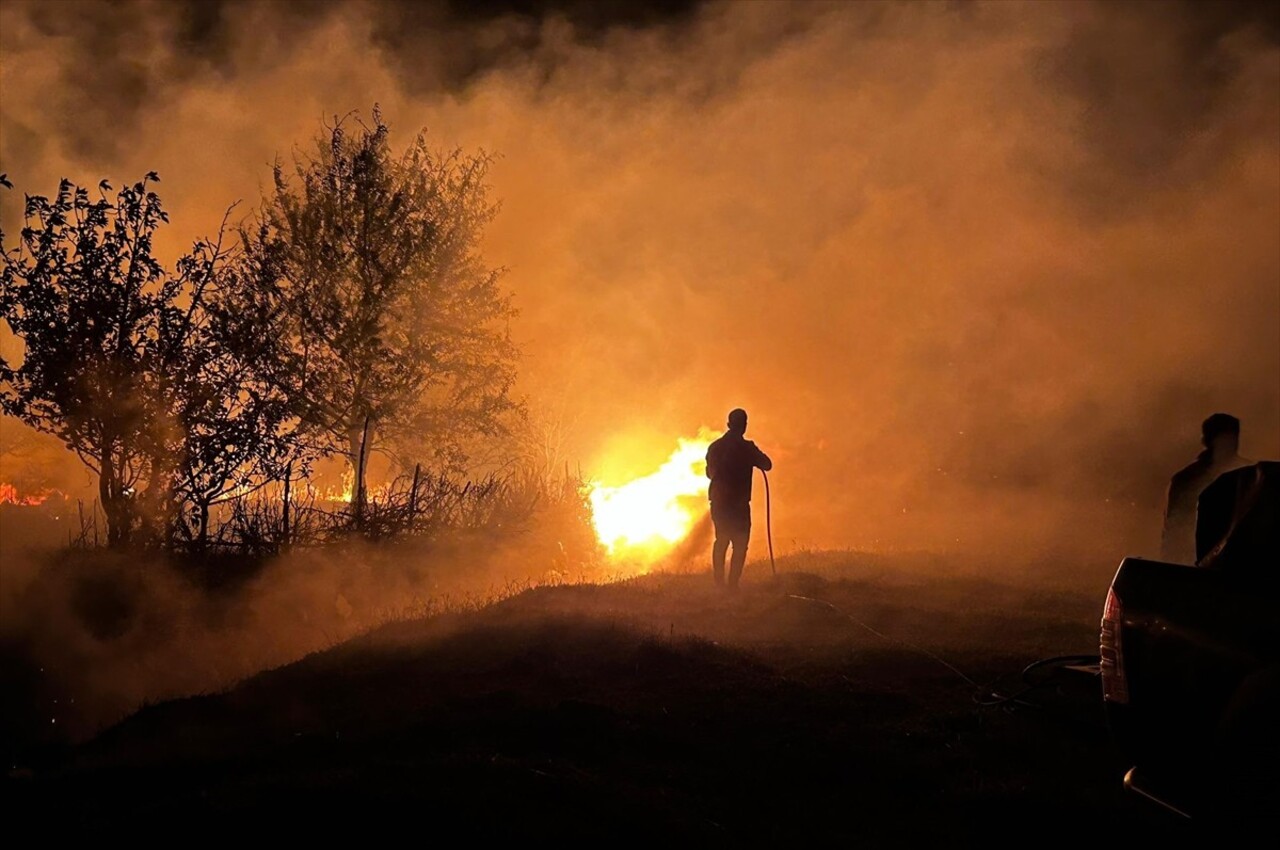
(653, 708)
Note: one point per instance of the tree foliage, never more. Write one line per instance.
(235, 429)
(88, 299)
(355, 308)
(132, 366)
(384, 318)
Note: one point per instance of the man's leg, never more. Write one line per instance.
(741, 537)
(718, 550)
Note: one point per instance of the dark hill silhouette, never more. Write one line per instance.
(652, 709)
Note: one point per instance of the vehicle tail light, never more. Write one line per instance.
(1115, 687)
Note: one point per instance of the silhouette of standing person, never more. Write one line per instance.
(731, 461)
(1220, 435)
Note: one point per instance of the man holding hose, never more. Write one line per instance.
(731, 462)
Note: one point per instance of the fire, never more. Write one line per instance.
(347, 491)
(9, 495)
(332, 493)
(645, 517)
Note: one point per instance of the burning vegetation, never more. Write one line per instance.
(977, 268)
(350, 318)
(643, 519)
(9, 495)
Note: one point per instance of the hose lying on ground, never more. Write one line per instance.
(984, 695)
(988, 697)
(918, 649)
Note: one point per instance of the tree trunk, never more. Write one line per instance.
(157, 517)
(358, 440)
(202, 534)
(115, 504)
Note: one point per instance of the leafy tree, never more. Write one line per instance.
(85, 295)
(136, 369)
(235, 430)
(387, 326)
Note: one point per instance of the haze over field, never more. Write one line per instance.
(394, 502)
(976, 270)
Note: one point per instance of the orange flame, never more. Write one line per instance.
(346, 491)
(9, 495)
(645, 518)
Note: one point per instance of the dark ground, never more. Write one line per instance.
(650, 709)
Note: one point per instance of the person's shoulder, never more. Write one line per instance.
(1190, 472)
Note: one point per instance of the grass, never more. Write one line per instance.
(654, 708)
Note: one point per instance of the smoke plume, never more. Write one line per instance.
(976, 270)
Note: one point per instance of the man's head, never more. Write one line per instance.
(738, 421)
(1220, 433)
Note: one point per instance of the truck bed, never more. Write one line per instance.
(1198, 650)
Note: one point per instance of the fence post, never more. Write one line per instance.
(413, 493)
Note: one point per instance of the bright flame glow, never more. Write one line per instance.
(9, 494)
(333, 493)
(645, 517)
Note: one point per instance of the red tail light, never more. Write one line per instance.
(1115, 687)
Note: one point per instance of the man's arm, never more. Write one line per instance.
(762, 459)
(1168, 530)
(1177, 539)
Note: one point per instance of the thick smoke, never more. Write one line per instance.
(977, 270)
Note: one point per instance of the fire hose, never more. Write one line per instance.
(768, 521)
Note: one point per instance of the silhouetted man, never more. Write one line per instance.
(731, 461)
(1238, 522)
(1220, 435)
